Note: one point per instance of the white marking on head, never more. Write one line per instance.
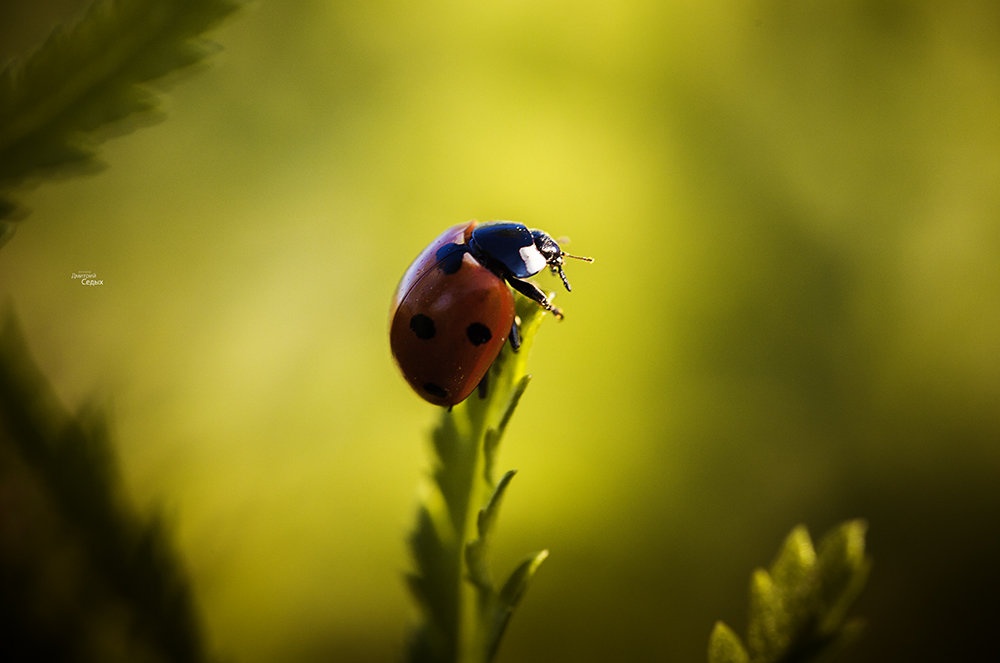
(534, 261)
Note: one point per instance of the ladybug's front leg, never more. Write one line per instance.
(533, 292)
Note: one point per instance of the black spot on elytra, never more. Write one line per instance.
(450, 257)
(422, 326)
(435, 390)
(478, 333)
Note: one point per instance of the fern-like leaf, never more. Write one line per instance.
(83, 577)
(798, 607)
(89, 81)
(462, 612)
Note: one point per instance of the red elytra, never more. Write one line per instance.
(450, 319)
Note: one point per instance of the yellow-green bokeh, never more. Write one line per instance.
(794, 315)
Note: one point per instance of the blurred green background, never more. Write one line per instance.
(794, 315)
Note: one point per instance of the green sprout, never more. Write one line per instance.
(463, 611)
(798, 607)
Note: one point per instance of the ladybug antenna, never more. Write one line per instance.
(557, 267)
(568, 255)
(554, 255)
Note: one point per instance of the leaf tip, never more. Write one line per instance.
(724, 646)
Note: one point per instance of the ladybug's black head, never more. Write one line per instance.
(554, 255)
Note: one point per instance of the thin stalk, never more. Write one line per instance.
(456, 600)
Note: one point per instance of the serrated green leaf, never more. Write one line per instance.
(494, 435)
(797, 608)
(63, 469)
(842, 569)
(426, 543)
(476, 551)
(513, 590)
(844, 547)
(478, 569)
(794, 576)
(767, 636)
(510, 595)
(724, 646)
(77, 89)
(453, 474)
(796, 560)
(488, 514)
(464, 441)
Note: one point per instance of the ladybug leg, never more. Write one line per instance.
(515, 335)
(533, 292)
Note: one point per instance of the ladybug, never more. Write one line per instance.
(453, 311)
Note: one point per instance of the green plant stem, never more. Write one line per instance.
(463, 613)
(458, 479)
(466, 474)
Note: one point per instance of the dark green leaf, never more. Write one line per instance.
(60, 469)
(83, 84)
